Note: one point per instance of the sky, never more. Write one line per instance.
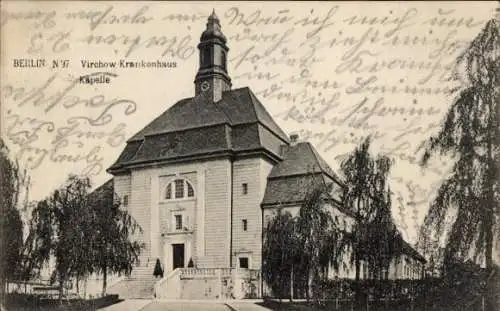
(334, 73)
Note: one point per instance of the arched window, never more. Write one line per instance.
(179, 189)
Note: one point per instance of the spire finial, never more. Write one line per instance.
(213, 29)
(213, 16)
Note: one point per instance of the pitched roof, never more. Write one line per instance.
(186, 114)
(238, 106)
(409, 250)
(291, 179)
(197, 126)
(107, 186)
(104, 193)
(301, 159)
(291, 189)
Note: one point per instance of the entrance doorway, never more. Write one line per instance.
(178, 255)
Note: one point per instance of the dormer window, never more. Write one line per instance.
(179, 189)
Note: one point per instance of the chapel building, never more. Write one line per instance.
(202, 178)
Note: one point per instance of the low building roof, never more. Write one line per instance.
(291, 189)
(301, 169)
(299, 159)
(104, 194)
(410, 251)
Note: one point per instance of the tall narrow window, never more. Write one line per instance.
(245, 224)
(178, 222)
(168, 192)
(207, 57)
(125, 200)
(179, 188)
(244, 188)
(190, 190)
(223, 60)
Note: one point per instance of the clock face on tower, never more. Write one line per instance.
(205, 86)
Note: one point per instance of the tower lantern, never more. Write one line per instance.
(212, 78)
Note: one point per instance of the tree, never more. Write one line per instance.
(112, 248)
(279, 252)
(382, 243)
(319, 237)
(12, 182)
(357, 169)
(71, 219)
(298, 251)
(368, 197)
(374, 238)
(38, 244)
(471, 134)
(85, 232)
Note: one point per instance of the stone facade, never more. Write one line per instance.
(218, 223)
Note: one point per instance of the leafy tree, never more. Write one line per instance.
(85, 232)
(12, 180)
(279, 252)
(382, 243)
(471, 134)
(356, 169)
(368, 197)
(374, 238)
(112, 248)
(319, 237)
(300, 250)
(38, 244)
(71, 221)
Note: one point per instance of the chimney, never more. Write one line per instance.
(283, 149)
(294, 138)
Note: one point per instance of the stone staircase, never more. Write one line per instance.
(140, 284)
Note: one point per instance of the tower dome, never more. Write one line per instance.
(213, 30)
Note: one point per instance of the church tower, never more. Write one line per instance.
(212, 78)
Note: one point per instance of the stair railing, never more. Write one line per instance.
(169, 287)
